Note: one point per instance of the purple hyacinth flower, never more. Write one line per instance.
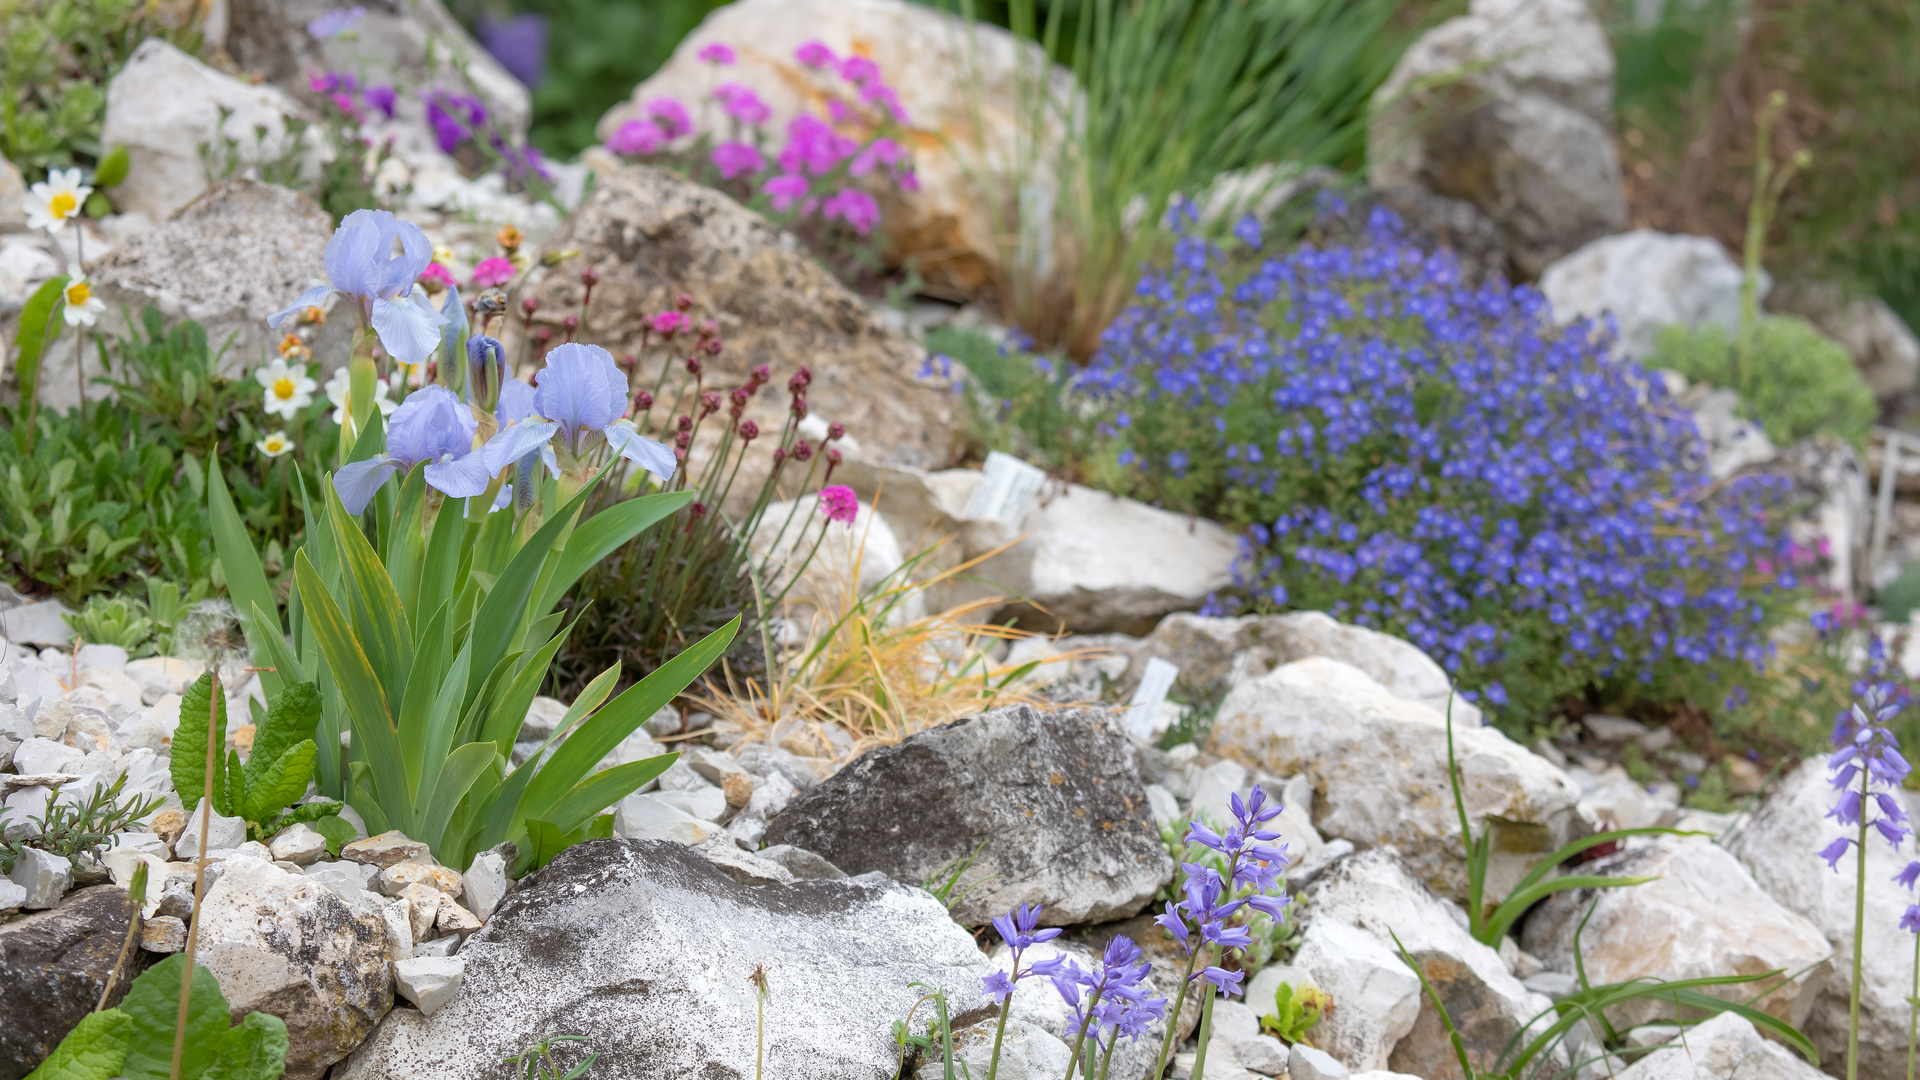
(382, 97)
(336, 22)
(519, 42)
(361, 265)
(1910, 921)
(1227, 981)
(1907, 877)
(432, 426)
(997, 986)
(1834, 852)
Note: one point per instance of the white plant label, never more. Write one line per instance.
(1148, 696)
(1007, 489)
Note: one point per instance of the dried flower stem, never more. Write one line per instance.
(137, 893)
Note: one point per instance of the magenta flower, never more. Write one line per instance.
(637, 138)
(839, 503)
(670, 115)
(492, 272)
(437, 276)
(742, 104)
(814, 54)
(717, 54)
(858, 69)
(737, 159)
(853, 206)
(814, 147)
(879, 152)
(785, 190)
(877, 93)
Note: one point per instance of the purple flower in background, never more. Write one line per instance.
(742, 104)
(453, 118)
(814, 147)
(858, 69)
(336, 22)
(432, 425)
(361, 265)
(736, 159)
(382, 97)
(519, 42)
(814, 54)
(853, 206)
(785, 190)
(670, 115)
(637, 138)
(717, 54)
(880, 152)
(1018, 929)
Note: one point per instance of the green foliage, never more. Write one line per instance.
(537, 1062)
(40, 324)
(55, 59)
(1295, 1011)
(1017, 402)
(117, 620)
(429, 640)
(72, 829)
(94, 1050)
(1800, 384)
(275, 772)
(135, 1041)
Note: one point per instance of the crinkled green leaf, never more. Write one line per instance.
(94, 1050)
(291, 718)
(153, 1002)
(189, 764)
(254, 1049)
(277, 785)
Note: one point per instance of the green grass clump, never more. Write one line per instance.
(1799, 382)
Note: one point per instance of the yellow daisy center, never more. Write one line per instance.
(62, 205)
(276, 445)
(283, 389)
(79, 293)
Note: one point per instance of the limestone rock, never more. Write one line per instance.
(485, 883)
(956, 82)
(298, 844)
(1378, 764)
(1027, 1052)
(1055, 796)
(1882, 346)
(54, 965)
(286, 944)
(1727, 1047)
(652, 235)
(163, 935)
(385, 850)
(869, 544)
(423, 871)
(223, 833)
(428, 981)
(651, 817)
(13, 189)
(12, 896)
(42, 622)
(46, 877)
(645, 948)
(1306, 1063)
(164, 105)
(1778, 845)
(1378, 996)
(1518, 124)
(1373, 893)
(1703, 916)
(1647, 280)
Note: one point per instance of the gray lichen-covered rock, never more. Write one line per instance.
(53, 965)
(1779, 845)
(1516, 122)
(1054, 797)
(1378, 764)
(1703, 915)
(1727, 1047)
(1370, 898)
(651, 235)
(646, 949)
(1882, 346)
(286, 944)
(1647, 280)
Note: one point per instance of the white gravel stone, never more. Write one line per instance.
(1306, 1063)
(298, 844)
(46, 877)
(39, 756)
(223, 834)
(163, 934)
(13, 895)
(429, 981)
(486, 883)
(650, 817)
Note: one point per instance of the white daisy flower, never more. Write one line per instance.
(337, 394)
(288, 390)
(55, 199)
(83, 308)
(275, 444)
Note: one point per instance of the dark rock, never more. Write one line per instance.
(1054, 797)
(646, 949)
(53, 965)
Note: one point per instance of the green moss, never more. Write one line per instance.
(1798, 383)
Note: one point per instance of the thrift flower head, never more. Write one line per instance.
(667, 322)
(838, 503)
(670, 115)
(436, 277)
(742, 104)
(492, 272)
(717, 54)
(432, 426)
(336, 22)
(55, 200)
(82, 307)
(287, 389)
(784, 190)
(814, 54)
(858, 69)
(853, 206)
(637, 138)
(735, 159)
(274, 445)
(363, 266)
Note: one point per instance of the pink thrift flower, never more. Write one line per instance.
(736, 159)
(839, 111)
(784, 190)
(855, 207)
(668, 322)
(637, 138)
(742, 104)
(814, 54)
(839, 503)
(491, 272)
(670, 115)
(438, 276)
(907, 179)
(878, 93)
(717, 54)
(814, 147)
(858, 69)
(882, 151)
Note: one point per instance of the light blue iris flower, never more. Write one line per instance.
(362, 266)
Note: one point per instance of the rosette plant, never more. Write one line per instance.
(423, 609)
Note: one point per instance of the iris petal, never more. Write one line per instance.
(516, 442)
(356, 481)
(461, 478)
(305, 300)
(655, 457)
(407, 331)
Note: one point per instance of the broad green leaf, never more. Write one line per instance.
(378, 620)
(547, 841)
(438, 732)
(291, 720)
(376, 743)
(441, 571)
(503, 614)
(246, 580)
(188, 767)
(601, 534)
(277, 786)
(338, 831)
(463, 767)
(40, 324)
(254, 1049)
(428, 679)
(153, 1003)
(509, 711)
(95, 1049)
(230, 790)
(407, 544)
(606, 787)
(112, 168)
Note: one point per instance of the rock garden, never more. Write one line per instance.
(862, 539)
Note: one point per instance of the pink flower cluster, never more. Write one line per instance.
(808, 173)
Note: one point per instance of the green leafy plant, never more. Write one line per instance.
(1295, 1012)
(537, 1062)
(136, 1040)
(1797, 382)
(115, 620)
(1016, 402)
(275, 774)
(938, 1036)
(75, 829)
(430, 638)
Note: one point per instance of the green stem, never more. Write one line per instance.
(999, 1033)
(1080, 1042)
(1859, 924)
(1106, 1059)
(1913, 1007)
(1206, 1030)
(1173, 1021)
